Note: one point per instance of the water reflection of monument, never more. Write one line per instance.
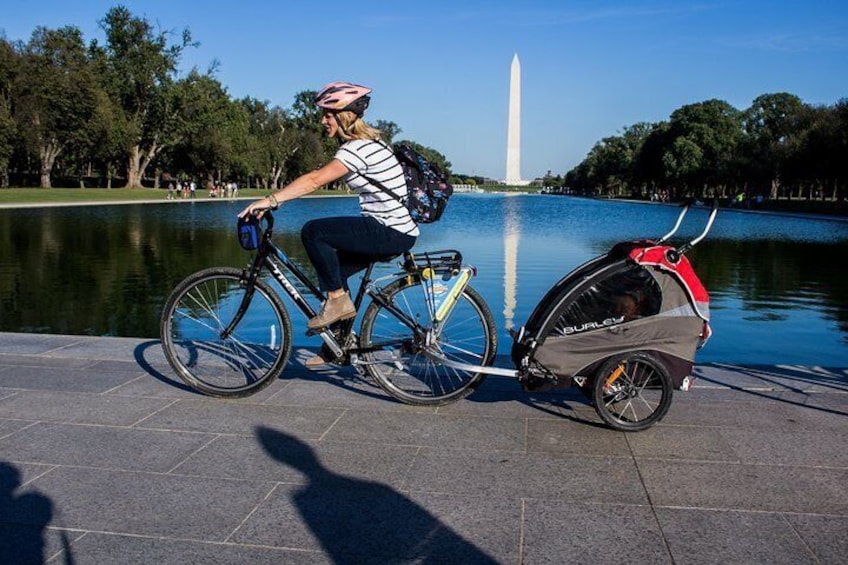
(511, 237)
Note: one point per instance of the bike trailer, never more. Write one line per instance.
(640, 296)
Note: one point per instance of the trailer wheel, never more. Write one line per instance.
(632, 392)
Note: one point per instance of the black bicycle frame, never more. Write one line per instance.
(274, 259)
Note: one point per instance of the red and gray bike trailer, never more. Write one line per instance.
(624, 326)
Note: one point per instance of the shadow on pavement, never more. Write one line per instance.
(775, 379)
(356, 520)
(23, 520)
(343, 377)
(139, 354)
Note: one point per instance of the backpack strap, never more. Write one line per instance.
(382, 187)
(377, 183)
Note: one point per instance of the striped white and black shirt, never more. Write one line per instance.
(374, 160)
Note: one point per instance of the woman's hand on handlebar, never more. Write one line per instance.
(257, 208)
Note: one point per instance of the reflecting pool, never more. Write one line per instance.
(778, 293)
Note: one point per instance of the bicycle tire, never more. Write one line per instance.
(248, 360)
(468, 336)
(632, 392)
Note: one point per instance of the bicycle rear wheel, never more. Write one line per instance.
(398, 364)
(632, 392)
(249, 359)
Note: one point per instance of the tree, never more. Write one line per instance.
(648, 167)
(55, 98)
(389, 130)
(837, 148)
(274, 141)
(308, 153)
(715, 128)
(611, 163)
(9, 61)
(819, 161)
(770, 127)
(707, 149)
(305, 113)
(208, 121)
(142, 69)
(432, 155)
(683, 161)
(306, 117)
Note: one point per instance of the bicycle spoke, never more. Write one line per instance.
(194, 320)
(467, 337)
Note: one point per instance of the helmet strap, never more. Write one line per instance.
(339, 123)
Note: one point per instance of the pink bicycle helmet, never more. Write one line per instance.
(343, 97)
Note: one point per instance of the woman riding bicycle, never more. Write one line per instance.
(339, 247)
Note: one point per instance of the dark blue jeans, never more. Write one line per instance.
(339, 247)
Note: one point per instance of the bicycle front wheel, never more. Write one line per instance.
(397, 362)
(242, 363)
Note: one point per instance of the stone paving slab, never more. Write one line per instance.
(768, 488)
(79, 408)
(97, 549)
(89, 379)
(683, 443)
(710, 536)
(152, 504)
(568, 437)
(241, 417)
(824, 535)
(106, 457)
(235, 457)
(430, 430)
(102, 446)
(492, 474)
(565, 532)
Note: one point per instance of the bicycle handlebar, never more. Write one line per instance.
(268, 217)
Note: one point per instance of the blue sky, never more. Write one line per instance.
(440, 68)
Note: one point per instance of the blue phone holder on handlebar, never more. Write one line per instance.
(249, 232)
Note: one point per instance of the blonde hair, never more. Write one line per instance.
(354, 127)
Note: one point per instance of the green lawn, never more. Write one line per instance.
(35, 196)
(76, 195)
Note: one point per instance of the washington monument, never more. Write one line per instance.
(513, 132)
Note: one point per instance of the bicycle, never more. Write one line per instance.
(227, 333)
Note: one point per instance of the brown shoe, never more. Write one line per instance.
(315, 362)
(322, 359)
(333, 310)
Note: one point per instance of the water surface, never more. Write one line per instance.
(778, 295)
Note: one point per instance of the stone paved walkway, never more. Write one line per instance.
(104, 458)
